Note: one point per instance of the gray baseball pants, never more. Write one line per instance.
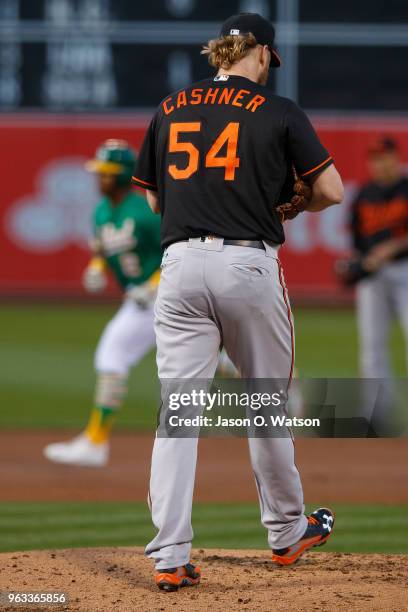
(211, 294)
(381, 298)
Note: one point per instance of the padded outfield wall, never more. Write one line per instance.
(47, 199)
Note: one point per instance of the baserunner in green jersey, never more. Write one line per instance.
(126, 241)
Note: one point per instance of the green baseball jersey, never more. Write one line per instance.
(129, 238)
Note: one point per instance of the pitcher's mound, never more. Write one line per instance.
(120, 579)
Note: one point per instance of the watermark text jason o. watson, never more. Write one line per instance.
(258, 420)
(218, 400)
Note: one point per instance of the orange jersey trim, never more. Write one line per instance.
(289, 315)
(139, 181)
(317, 167)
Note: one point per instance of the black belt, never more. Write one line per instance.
(254, 244)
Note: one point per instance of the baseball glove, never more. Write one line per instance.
(296, 196)
(350, 271)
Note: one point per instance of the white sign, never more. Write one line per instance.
(59, 212)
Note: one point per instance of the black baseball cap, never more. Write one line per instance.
(261, 28)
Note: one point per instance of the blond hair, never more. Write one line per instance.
(225, 51)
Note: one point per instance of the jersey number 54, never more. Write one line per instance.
(229, 162)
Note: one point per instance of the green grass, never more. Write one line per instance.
(46, 380)
(47, 376)
(46, 356)
(28, 526)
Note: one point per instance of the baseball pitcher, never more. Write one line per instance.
(214, 161)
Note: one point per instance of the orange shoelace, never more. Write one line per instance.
(312, 520)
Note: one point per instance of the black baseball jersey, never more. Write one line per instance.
(219, 153)
(379, 213)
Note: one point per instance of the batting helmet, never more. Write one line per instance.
(114, 157)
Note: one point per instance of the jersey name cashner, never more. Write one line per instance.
(241, 98)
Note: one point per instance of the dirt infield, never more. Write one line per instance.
(347, 471)
(118, 579)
